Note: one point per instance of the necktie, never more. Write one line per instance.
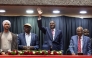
(79, 45)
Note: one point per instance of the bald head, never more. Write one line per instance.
(79, 28)
(86, 32)
(79, 31)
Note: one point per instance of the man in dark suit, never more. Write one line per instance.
(86, 32)
(80, 44)
(53, 37)
(8, 40)
(28, 40)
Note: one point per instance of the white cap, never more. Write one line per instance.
(27, 24)
(7, 22)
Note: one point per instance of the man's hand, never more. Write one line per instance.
(31, 47)
(25, 47)
(28, 47)
(3, 53)
(39, 13)
(73, 54)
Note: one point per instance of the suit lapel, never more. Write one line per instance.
(31, 39)
(83, 42)
(50, 34)
(76, 40)
(0, 39)
(24, 39)
(56, 33)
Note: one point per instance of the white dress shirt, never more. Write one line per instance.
(53, 33)
(28, 39)
(81, 43)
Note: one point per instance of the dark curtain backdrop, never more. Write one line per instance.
(68, 26)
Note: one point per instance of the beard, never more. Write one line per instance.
(7, 28)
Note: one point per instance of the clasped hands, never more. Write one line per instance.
(28, 47)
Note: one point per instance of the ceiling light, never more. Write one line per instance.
(56, 11)
(29, 11)
(83, 12)
(2, 11)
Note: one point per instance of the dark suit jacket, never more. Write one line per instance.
(14, 44)
(22, 41)
(91, 45)
(73, 47)
(48, 39)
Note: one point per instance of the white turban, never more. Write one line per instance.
(7, 22)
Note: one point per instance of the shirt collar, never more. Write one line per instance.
(6, 32)
(53, 29)
(81, 37)
(27, 34)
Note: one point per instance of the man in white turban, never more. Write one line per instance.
(8, 40)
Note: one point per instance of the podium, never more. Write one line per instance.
(45, 56)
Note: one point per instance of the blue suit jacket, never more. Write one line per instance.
(48, 39)
(73, 47)
(22, 41)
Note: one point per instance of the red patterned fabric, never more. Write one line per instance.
(79, 45)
